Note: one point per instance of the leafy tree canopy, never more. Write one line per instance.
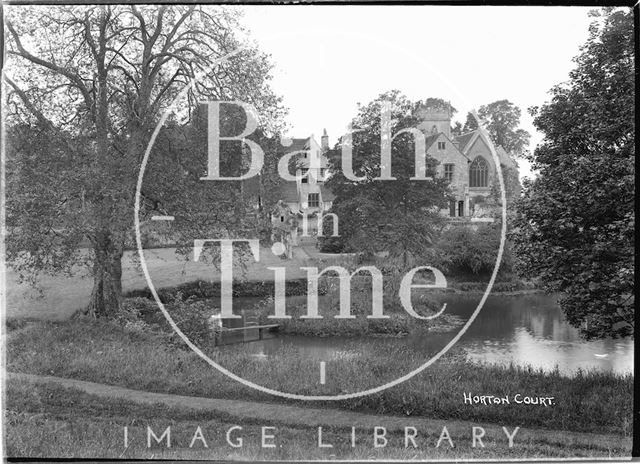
(86, 87)
(399, 216)
(470, 124)
(502, 119)
(574, 227)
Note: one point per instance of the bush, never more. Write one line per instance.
(15, 324)
(330, 244)
(326, 242)
(469, 251)
(399, 323)
(204, 289)
(140, 315)
(192, 318)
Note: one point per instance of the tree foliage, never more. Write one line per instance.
(466, 251)
(87, 85)
(574, 227)
(502, 119)
(512, 186)
(399, 216)
(470, 124)
(172, 184)
(457, 129)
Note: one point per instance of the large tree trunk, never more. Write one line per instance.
(106, 296)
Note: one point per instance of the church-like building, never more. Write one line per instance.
(465, 160)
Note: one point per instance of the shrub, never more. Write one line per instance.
(15, 324)
(139, 315)
(470, 251)
(398, 324)
(192, 317)
(326, 242)
(330, 244)
(204, 289)
(143, 315)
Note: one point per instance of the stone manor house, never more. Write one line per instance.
(465, 160)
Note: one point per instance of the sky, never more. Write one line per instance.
(328, 58)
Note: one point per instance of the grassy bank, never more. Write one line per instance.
(508, 287)
(208, 289)
(397, 324)
(48, 420)
(194, 303)
(104, 352)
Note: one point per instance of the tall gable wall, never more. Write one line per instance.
(451, 155)
(480, 148)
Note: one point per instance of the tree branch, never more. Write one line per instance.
(73, 78)
(29, 104)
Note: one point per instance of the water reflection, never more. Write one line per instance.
(524, 330)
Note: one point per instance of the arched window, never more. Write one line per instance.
(479, 173)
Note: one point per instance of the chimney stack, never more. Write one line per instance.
(324, 141)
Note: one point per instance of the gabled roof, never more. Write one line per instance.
(299, 145)
(464, 139)
(430, 140)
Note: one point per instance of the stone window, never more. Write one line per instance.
(479, 173)
(448, 172)
(441, 145)
(313, 200)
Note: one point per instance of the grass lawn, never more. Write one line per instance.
(49, 421)
(59, 297)
(104, 352)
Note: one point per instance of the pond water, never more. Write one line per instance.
(524, 330)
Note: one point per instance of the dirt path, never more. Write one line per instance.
(296, 416)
